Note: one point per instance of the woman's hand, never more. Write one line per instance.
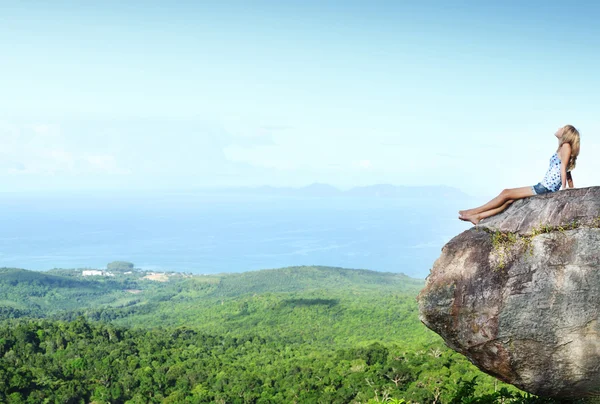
(570, 179)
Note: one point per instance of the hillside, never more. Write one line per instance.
(39, 294)
(324, 303)
(57, 290)
(328, 303)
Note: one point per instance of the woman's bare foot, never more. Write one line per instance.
(473, 219)
(466, 212)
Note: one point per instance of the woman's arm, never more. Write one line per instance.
(565, 155)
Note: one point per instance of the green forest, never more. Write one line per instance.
(291, 335)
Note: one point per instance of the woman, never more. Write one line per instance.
(561, 164)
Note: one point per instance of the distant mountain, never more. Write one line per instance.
(369, 191)
(316, 190)
(395, 191)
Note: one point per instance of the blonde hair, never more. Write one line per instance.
(570, 135)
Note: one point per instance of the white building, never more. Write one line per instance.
(95, 272)
(92, 273)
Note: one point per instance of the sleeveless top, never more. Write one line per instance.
(552, 179)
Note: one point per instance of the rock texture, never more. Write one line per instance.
(519, 294)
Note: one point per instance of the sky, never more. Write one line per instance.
(153, 95)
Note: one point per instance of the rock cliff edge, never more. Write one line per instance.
(519, 294)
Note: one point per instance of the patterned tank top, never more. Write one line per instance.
(552, 180)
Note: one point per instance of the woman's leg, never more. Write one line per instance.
(475, 218)
(505, 195)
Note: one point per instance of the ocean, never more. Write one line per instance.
(207, 233)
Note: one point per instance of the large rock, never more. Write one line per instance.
(519, 294)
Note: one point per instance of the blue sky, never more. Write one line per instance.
(189, 94)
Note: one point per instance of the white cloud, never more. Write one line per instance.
(364, 164)
(249, 135)
(61, 158)
(44, 129)
(42, 149)
(105, 163)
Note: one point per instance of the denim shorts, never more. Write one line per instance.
(539, 189)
